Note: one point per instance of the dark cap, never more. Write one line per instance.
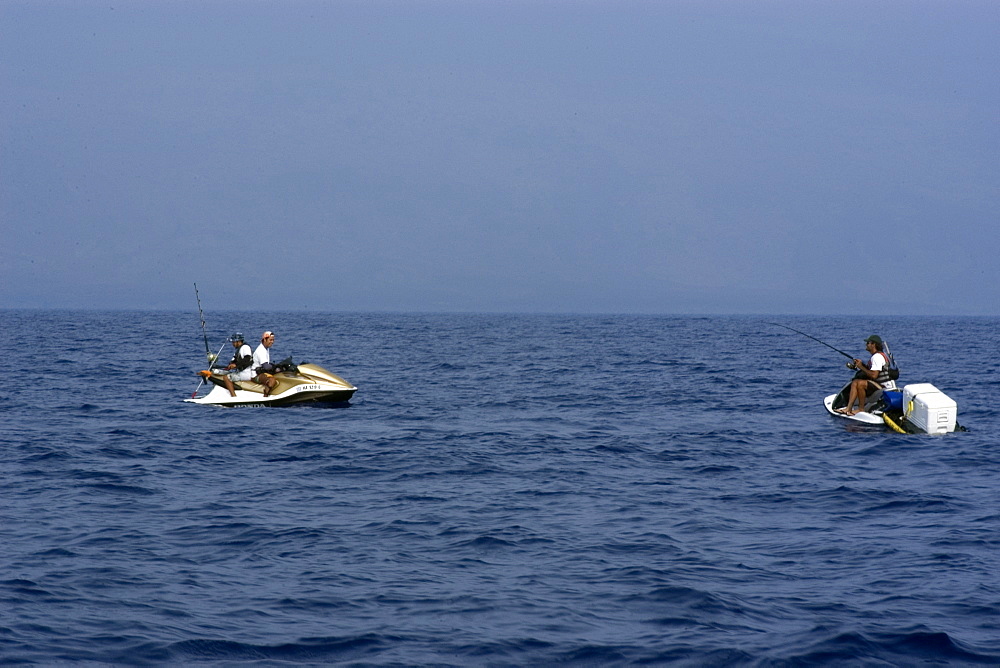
(236, 337)
(874, 338)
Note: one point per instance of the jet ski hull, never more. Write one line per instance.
(219, 396)
(863, 417)
(309, 383)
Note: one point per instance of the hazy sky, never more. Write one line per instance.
(459, 155)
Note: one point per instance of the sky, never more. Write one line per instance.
(554, 156)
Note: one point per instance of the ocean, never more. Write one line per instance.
(503, 490)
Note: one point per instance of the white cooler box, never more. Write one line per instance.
(929, 409)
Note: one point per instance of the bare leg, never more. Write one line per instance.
(861, 387)
(268, 381)
(229, 386)
(846, 410)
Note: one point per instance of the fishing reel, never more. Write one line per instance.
(851, 365)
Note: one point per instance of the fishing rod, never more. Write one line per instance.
(204, 334)
(850, 357)
(210, 367)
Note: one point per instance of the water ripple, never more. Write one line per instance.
(503, 490)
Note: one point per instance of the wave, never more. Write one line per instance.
(895, 648)
(503, 491)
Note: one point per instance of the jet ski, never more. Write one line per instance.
(296, 384)
(918, 408)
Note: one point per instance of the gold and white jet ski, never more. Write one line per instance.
(297, 384)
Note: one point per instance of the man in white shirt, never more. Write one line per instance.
(262, 356)
(876, 371)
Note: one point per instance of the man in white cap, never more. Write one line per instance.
(262, 356)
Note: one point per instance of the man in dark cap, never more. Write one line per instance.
(240, 368)
(877, 371)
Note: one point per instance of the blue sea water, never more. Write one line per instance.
(503, 490)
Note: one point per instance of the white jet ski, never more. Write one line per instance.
(297, 384)
(919, 408)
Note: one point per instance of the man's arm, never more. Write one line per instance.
(860, 366)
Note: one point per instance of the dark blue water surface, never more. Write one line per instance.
(503, 490)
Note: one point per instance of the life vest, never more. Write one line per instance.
(883, 376)
(242, 362)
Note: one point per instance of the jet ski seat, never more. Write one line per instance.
(249, 386)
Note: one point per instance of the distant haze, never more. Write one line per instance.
(542, 156)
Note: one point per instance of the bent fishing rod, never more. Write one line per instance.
(850, 357)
